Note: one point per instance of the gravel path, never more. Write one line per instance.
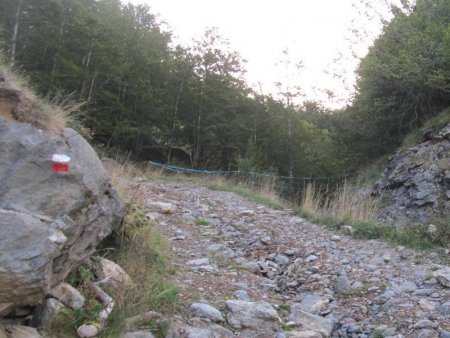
(271, 274)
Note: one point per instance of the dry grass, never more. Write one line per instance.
(261, 191)
(347, 204)
(49, 115)
(122, 172)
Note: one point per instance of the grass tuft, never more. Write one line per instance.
(145, 256)
(201, 222)
(348, 204)
(351, 207)
(49, 115)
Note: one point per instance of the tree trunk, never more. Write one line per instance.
(290, 150)
(91, 90)
(56, 56)
(174, 121)
(197, 131)
(14, 33)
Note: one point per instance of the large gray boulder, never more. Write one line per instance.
(49, 221)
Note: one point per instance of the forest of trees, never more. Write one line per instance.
(173, 104)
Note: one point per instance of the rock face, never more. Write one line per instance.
(49, 221)
(416, 182)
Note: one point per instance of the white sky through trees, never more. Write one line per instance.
(315, 32)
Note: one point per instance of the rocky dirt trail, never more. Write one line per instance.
(246, 270)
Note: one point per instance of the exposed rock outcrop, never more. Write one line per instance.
(49, 221)
(416, 182)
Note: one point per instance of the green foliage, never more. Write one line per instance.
(156, 101)
(82, 274)
(172, 104)
(402, 82)
(439, 121)
(201, 222)
(372, 172)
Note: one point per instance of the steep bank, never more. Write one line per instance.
(416, 182)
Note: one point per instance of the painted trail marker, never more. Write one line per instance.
(60, 163)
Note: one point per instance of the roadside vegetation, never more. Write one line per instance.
(351, 205)
(142, 251)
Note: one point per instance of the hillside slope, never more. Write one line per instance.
(416, 182)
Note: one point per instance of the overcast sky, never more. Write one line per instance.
(314, 31)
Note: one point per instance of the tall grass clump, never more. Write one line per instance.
(145, 256)
(122, 172)
(350, 205)
(347, 204)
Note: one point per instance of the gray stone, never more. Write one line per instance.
(251, 266)
(422, 292)
(52, 307)
(432, 231)
(206, 311)
(303, 334)
(425, 333)
(247, 212)
(342, 285)
(357, 285)
(153, 216)
(443, 276)
(444, 334)
(268, 286)
(215, 247)
(383, 298)
(311, 322)
(49, 221)
(161, 207)
(5, 308)
(407, 286)
(241, 294)
(296, 220)
(281, 260)
(289, 252)
(115, 279)
(443, 309)
(311, 258)
(347, 230)
(335, 238)
(312, 303)
(424, 324)
(281, 334)
(352, 328)
(68, 295)
(266, 240)
(19, 331)
(215, 331)
(197, 262)
(138, 334)
(252, 315)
